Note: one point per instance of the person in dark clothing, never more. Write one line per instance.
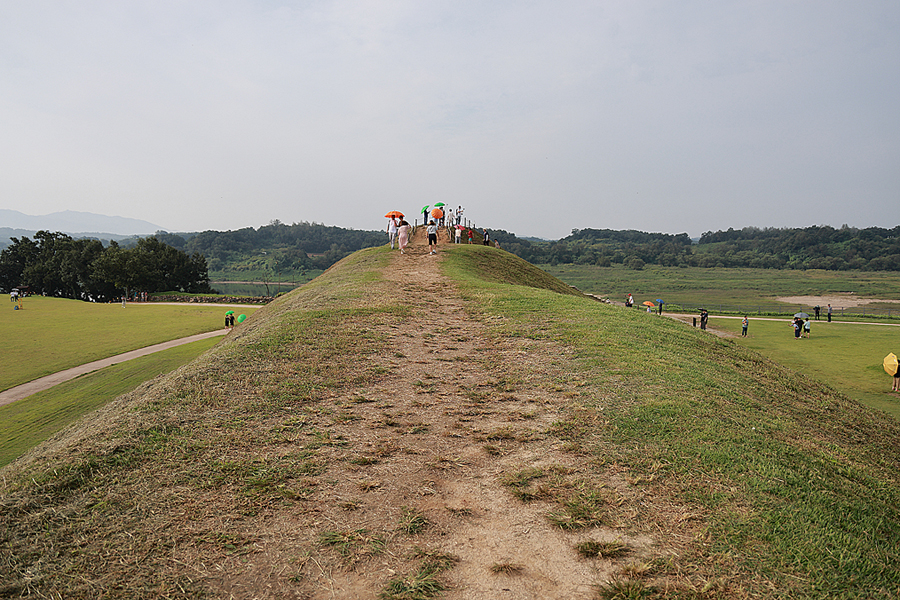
(816, 309)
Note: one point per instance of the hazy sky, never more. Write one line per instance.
(537, 116)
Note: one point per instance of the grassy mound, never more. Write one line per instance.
(487, 265)
(230, 475)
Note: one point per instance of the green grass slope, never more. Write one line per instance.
(54, 334)
(754, 481)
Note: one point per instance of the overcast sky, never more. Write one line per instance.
(538, 117)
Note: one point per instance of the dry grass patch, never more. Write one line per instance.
(353, 545)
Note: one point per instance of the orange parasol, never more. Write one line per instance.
(437, 213)
(394, 214)
(647, 303)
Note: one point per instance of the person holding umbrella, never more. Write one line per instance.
(660, 306)
(892, 367)
(392, 229)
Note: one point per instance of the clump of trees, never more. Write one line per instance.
(55, 264)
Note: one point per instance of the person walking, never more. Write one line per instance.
(660, 307)
(403, 235)
(744, 324)
(471, 236)
(829, 313)
(392, 230)
(806, 327)
(432, 236)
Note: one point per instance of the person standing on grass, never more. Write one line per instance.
(896, 387)
(704, 317)
(458, 235)
(403, 235)
(806, 327)
(816, 308)
(797, 327)
(744, 324)
(829, 313)
(471, 236)
(432, 236)
(660, 307)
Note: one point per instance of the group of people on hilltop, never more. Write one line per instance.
(398, 230)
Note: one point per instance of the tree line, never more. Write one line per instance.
(300, 246)
(817, 247)
(55, 264)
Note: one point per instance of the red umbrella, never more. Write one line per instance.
(394, 214)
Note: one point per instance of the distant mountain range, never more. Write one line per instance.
(75, 222)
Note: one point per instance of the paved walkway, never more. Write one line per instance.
(47, 382)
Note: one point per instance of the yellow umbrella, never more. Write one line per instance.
(890, 364)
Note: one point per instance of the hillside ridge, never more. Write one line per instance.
(397, 425)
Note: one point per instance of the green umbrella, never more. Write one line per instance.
(229, 312)
(439, 204)
(425, 208)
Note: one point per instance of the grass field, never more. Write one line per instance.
(846, 356)
(713, 288)
(29, 421)
(53, 334)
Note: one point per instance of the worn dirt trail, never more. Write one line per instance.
(447, 429)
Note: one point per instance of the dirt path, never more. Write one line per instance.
(449, 383)
(39, 385)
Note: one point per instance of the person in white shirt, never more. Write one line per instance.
(392, 230)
